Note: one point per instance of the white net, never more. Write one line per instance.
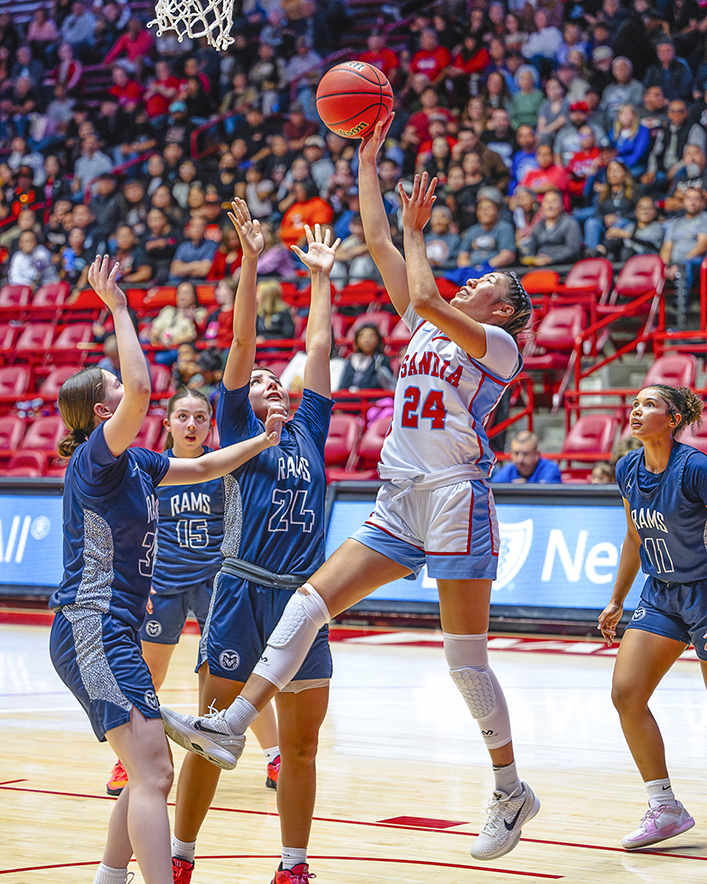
(212, 19)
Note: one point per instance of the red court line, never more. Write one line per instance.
(10, 782)
(358, 859)
(372, 824)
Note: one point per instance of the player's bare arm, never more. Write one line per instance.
(242, 353)
(375, 221)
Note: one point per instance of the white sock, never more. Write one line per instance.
(107, 875)
(183, 849)
(660, 792)
(271, 753)
(293, 856)
(240, 715)
(506, 779)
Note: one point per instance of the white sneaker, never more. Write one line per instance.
(658, 824)
(208, 735)
(503, 827)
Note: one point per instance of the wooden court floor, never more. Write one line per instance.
(404, 778)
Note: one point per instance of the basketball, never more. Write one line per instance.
(352, 97)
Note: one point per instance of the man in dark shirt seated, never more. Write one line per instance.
(526, 464)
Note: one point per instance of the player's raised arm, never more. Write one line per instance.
(242, 353)
(424, 294)
(375, 221)
(123, 426)
(319, 258)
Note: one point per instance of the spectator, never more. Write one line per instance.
(672, 74)
(625, 90)
(431, 109)
(161, 91)
(26, 66)
(82, 216)
(488, 245)
(548, 176)
(431, 59)
(321, 167)
(128, 93)
(367, 368)
(353, 258)
(193, 257)
(616, 200)
(91, 164)
(177, 324)
(274, 317)
(267, 76)
(219, 323)
(523, 159)
(133, 260)
(543, 45)
(32, 263)
(228, 256)
(79, 29)
(160, 244)
(603, 473)
(42, 35)
(526, 102)
(308, 208)
(684, 247)
(554, 112)
(653, 110)
(628, 237)
(381, 56)
(107, 205)
(568, 140)
(69, 71)
(76, 259)
(22, 156)
(526, 463)
(135, 44)
(276, 258)
(441, 241)
(557, 238)
(466, 67)
(526, 214)
(303, 70)
(475, 115)
(631, 139)
(186, 367)
(583, 165)
(601, 76)
(499, 137)
(690, 173)
(26, 220)
(111, 360)
(163, 200)
(669, 147)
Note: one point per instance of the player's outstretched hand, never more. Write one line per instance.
(417, 207)
(249, 232)
(105, 283)
(276, 417)
(320, 253)
(371, 144)
(608, 620)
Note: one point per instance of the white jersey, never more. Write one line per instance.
(442, 400)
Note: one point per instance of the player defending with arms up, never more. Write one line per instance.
(436, 506)
(664, 487)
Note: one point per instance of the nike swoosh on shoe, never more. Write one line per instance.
(515, 819)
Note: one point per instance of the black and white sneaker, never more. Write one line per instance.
(506, 816)
(208, 735)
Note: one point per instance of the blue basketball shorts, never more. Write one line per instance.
(452, 529)
(98, 658)
(169, 613)
(674, 610)
(241, 618)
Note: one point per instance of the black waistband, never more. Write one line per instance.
(261, 576)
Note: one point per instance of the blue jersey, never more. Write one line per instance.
(668, 512)
(274, 513)
(110, 527)
(189, 536)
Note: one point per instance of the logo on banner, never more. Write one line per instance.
(516, 540)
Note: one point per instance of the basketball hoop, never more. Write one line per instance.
(212, 19)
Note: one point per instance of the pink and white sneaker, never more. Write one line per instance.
(658, 824)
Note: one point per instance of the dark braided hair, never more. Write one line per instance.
(682, 401)
(519, 299)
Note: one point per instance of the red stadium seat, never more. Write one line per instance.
(14, 380)
(592, 276)
(49, 389)
(673, 369)
(12, 429)
(369, 450)
(34, 341)
(8, 333)
(149, 433)
(591, 438)
(51, 295)
(44, 434)
(27, 463)
(161, 379)
(340, 447)
(14, 300)
(641, 275)
(551, 352)
(69, 339)
(698, 439)
(381, 318)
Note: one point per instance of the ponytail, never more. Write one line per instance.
(77, 397)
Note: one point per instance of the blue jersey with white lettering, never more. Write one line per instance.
(668, 512)
(274, 513)
(110, 527)
(190, 534)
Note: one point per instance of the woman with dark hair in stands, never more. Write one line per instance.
(110, 525)
(368, 368)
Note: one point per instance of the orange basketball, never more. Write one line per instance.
(352, 97)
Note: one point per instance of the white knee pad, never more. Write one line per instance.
(467, 656)
(303, 617)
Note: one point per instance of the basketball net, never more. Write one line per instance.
(212, 19)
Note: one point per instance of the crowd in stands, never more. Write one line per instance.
(556, 130)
